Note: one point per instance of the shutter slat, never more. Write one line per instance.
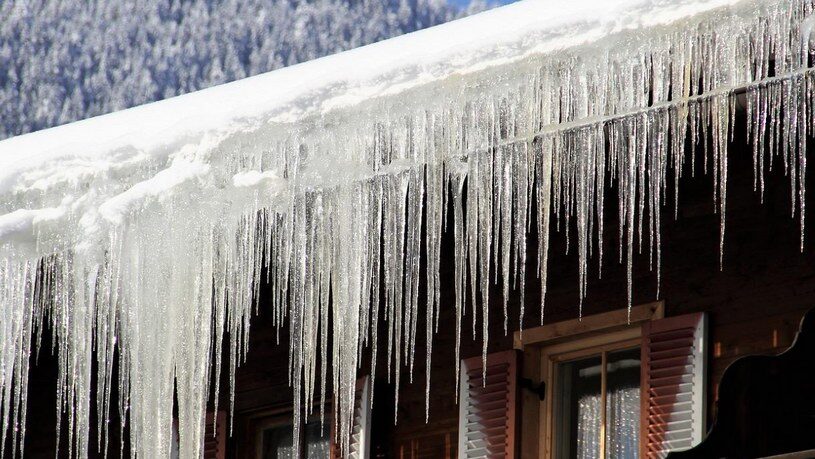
(672, 400)
(668, 353)
(487, 417)
(673, 384)
(672, 426)
(660, 418)
(489, 397)
(670, 436)
(488, 435)
(673, 362)
(668, 335)
(487, 406)
(499, 387)
(671, 389)
(679, 370)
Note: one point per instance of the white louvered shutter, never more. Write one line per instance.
(215, 435)
(487, 409)
(360, 444)
(673, 384)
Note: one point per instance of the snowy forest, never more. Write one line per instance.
(65, 61)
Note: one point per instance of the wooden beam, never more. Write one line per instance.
(607, 321)
(603, 402)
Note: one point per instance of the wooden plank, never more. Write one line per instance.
(603, 402)
(530, 447)
(604, 322)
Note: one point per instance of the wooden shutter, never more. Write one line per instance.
(673, 384)
(487, 408)
(360, 444)
(215, 435)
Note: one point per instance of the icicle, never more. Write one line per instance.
(720, 127)
(435, 190)
(458, 173)
(544, 178)
(628, 201)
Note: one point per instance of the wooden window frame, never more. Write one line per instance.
(546, 346)
(250, 424)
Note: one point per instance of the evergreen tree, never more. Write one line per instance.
(63, 61)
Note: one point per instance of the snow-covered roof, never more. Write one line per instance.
(394, 74)
(135, 229)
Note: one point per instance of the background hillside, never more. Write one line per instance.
(63, 61)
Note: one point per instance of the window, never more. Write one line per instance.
(597, 405)
(616, 385)
(276, 441)
(269, 434)
(590, 369)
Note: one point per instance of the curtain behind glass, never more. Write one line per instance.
(623, 404)
(623, 430)
(588, 427)
(580, 381)
(622, 435)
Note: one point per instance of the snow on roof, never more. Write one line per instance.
(54, 160)
(146, 231)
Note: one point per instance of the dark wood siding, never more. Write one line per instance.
(754, 303)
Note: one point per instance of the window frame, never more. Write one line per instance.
(600, 350)
(250, 424)
(544, 347)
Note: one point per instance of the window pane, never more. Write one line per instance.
(577, 409)
(277, 442)
(318, 444)
(623, 404)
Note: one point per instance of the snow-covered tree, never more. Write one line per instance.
(63, 61)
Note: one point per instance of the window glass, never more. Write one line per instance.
(578, 412)
(623, 403)
(277, 441)
(578, 417)
(317, 441)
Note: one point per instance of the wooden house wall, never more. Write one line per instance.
(754, 304)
